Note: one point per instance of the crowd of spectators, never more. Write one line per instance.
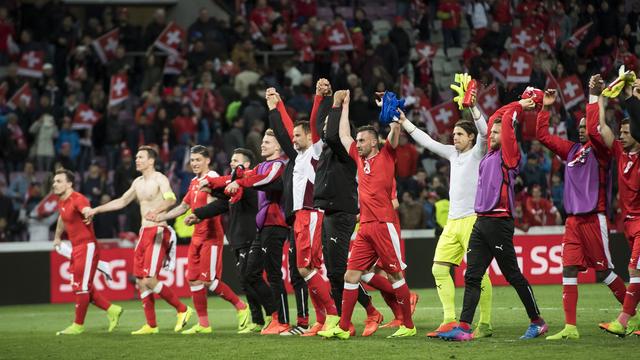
(223, 59)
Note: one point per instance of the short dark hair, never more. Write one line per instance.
(151, 152)
(202, 150)
(248, 155)
(305, 125)
(368, 128)
(625, 121)
(469, 127)
(497, 120)
(68, 174)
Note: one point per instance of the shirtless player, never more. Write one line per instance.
(153, 192)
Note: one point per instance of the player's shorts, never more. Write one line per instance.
(377, 242)
(454, 240)
(151, 249)
(632, 232)
(84, 262)
(307, 230)
(585, 243)
(205, 260)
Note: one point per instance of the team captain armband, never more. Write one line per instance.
(169, 195)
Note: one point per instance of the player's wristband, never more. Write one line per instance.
(408, 126)
(169, 195)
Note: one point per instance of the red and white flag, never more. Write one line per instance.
(525, 39)
(571, 90)
(31, 63)
(105, 46)
(488, 100)
(550, 38)
(119, 90)
(174, 65)
(520, 67)
(85, 117)
(444, 116)
(47, 206)
(170, 39)
(499, 67)
(576, 38)
(22, 95)
(425, 51)
(338, 37)
(279, 41)
(202, 100)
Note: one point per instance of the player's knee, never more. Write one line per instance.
(634, 272)
(304, 272)
(352, 277)
(440, 271)
(570, 271)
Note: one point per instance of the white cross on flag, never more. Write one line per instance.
(523, 39)
(31, 63)
(576, 38)
(85, 117)
(499, 67)
(22, 95)
(105, 46)
(47, 206)
(170, 39)
(520, 67)
(425, 51)
(488, 100)
(118, 91)
(173, 65)
(444, 116)
(338, 37)
(571, 91)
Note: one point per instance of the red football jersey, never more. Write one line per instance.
(207, 229)
(376, 177)
(628, 180)
(71, 214)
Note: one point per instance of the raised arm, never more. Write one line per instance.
(341, 98)
(331, 134)
(426, 141)
(394, 134)
(593, 113)
(596, 84)
(509, 143)
(285, 118)
(556, 144)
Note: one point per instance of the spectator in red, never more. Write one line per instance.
(502, 12)
(407, 158)
(471, 52)
(541, 211)
(519, 218)
(262, 14)
(449, 11)
(185, 124)
(305, 9)
(6, 30)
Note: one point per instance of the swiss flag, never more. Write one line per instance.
(170, 39)
(31, 63)
(118, 91)
(105, 46)
(338, 37)
(85, 117)
(488, 100)
(525, 39)
(520, 67)
(47, 206)
(550, 39)
(279, 41)
(499, 67)
(425, 51)
(174, 65)
(22, 95)
(444, 116)
(571, 91)
(576, 38)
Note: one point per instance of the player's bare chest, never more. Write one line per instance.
(147, 190)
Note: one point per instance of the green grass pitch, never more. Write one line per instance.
(28, 332)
